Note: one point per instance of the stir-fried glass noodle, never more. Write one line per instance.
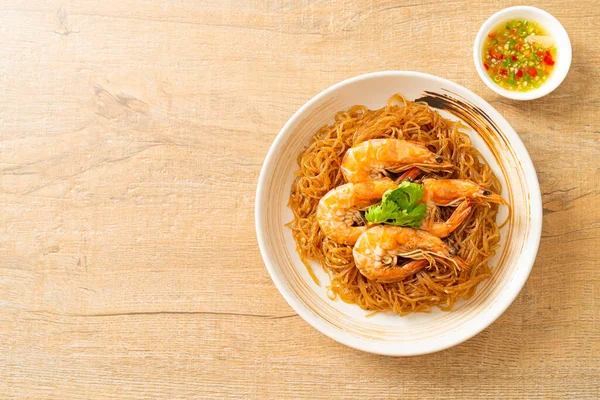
(475, 241)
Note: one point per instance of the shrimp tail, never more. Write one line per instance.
(445, 228)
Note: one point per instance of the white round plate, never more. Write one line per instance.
(388, 333)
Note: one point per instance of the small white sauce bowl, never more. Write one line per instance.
(550, 25)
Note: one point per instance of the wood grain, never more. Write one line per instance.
(132, 138)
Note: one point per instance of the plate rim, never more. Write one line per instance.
(526, 261)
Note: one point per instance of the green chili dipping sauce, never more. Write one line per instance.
(519, 55)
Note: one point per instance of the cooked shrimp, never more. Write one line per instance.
(449, 192)
(452, 192)
(378, 249)
(372, 159)
(338, 212)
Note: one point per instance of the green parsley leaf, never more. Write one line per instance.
(399, 206)
(411, 219)
(383, 212)
(406, 195)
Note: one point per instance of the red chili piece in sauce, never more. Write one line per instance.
(548, 58)
(533, 72)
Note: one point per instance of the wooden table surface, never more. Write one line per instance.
(133, 134)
